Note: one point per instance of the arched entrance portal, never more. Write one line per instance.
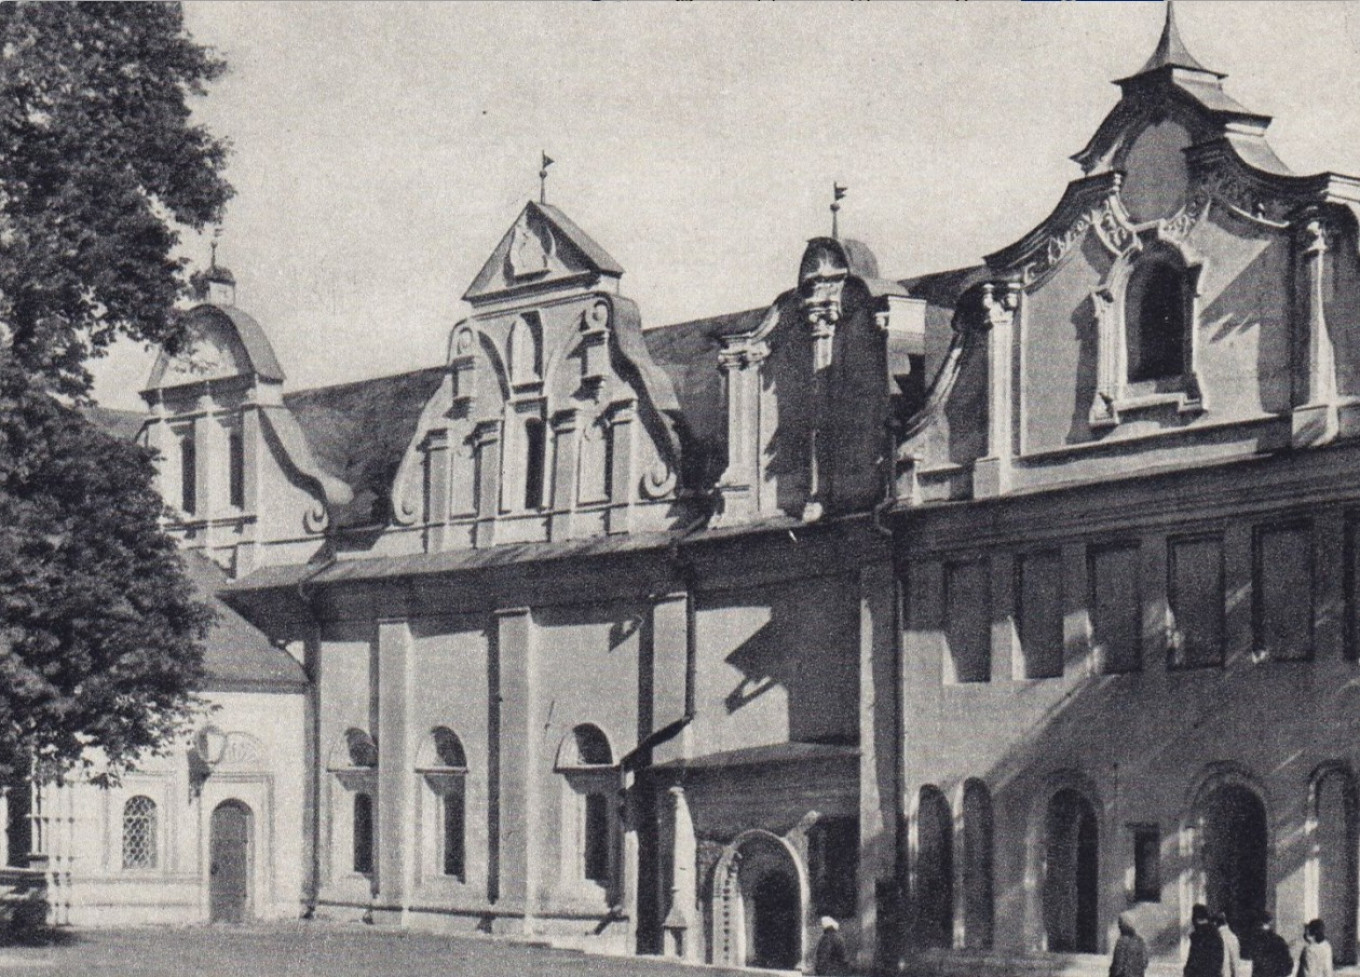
(230, 863)
(759, 899)
(1071, 874)
(1233, 854)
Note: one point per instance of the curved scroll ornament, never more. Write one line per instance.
(316, 519)
(1246, 198)
(1112, 227)
(658, 481)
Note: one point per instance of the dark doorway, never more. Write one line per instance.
(19, 822)
(1072, 874)
(774, 923)
(1234, 855)
(229, 892)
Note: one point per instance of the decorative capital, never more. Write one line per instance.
(1316, 237)
(739, 357)
(999, 302)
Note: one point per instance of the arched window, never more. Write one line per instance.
(525, 344)
(935, 868)
(1156, 320)
(188, 473)
(586, 761)
(535, 461)
(139, 832)
(443, 763)
(977, 865)
(363, 833)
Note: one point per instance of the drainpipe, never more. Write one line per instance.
(314, 733)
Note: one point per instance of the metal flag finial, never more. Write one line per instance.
(837, 194)
(543, 177)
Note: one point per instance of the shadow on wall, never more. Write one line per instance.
(809, 648)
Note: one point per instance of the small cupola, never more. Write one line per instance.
(217, 285)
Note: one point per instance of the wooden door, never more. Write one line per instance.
(229, 892)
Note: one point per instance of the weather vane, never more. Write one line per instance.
(837, 194)
(543, 177)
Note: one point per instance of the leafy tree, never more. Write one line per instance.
(99, 628)
(101, 170)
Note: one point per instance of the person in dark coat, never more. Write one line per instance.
(1130, 958)
(832, 958)
(1270, 954)
(1206, 946)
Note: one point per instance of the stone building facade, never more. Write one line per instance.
(973, 609)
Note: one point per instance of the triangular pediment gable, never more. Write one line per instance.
(543, 249)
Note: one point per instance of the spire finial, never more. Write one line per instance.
(543, 177)
(217, 233)
(837, 193)
(1171, 50)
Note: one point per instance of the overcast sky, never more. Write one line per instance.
(380, 150)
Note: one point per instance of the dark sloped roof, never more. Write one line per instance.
(358, 433)
(687, 352)
(1171, 50)
(596, 255)
(122, 424)
(238, 657)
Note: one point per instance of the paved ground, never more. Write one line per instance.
(314, 950)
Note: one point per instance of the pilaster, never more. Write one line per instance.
(1315, 419)
(517, 746)
(395, 829)
(739, 486)
(992, 474)
(487, 445)
(680, 925)
(436, 449)
(621, 488)
(671, 682)
(565, 436)
(879, 737)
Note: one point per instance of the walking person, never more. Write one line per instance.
(1232, 948)
(1271, 957)
(831, 958)
(1315, 960)
(1130, 958)
(1206, 945)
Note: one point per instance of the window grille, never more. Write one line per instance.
(139, 833)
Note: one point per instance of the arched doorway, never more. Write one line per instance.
(772, 920)
(1071, 874)
(1233, 854)
(230, 863)
(759, 899)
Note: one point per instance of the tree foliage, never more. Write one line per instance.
(101, 168)
(100, 631)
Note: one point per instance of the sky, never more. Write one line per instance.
(380, 150)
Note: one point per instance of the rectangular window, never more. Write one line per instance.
(1039, 585)
(454, 862)
(188, 474)
(968, 618)
(1116, 608)
(236, 469)
(1282, 591)
(1195, 589)
(1147, 863)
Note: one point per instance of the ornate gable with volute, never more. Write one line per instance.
(1188, 293)
(235, 470)
(552, 422)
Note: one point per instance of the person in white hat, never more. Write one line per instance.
(831, 957)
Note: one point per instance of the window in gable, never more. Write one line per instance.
(1156, 320)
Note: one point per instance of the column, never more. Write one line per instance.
(991, 475)
(564, 473)
(487, 444)
(1315, 420)
(680, 928)
(519, 769)
(436, 449)
(395, 860)
(621, 433)
(739, 485)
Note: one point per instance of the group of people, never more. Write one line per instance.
(1215, 950)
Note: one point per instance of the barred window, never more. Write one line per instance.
(139, 833)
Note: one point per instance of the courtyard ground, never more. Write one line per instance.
(314, 950)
